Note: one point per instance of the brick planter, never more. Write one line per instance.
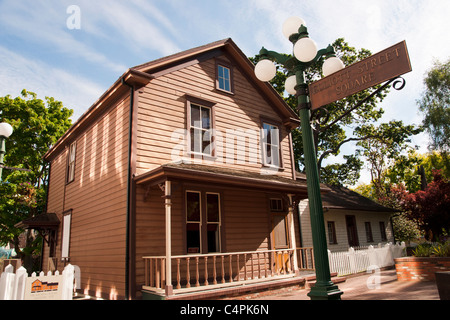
(420, 268)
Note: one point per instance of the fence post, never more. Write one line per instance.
(351, 259)
(67, 282)
(331, 261)
(389, 255)
(373, 261)
(19, 286)
(7, 283)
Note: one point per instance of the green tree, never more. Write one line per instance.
(435, 105)
(415, 170)
(37, 126)
(385, 143)
(431, 207)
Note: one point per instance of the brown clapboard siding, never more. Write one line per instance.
(160, 113)
(56, 184)
(97, 198)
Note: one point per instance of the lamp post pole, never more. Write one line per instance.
(5, 131)
(324, 287)
(305, 55)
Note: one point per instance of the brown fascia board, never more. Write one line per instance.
(133, 77)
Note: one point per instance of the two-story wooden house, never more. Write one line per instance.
(179, 178)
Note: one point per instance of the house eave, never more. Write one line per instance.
(213, 175)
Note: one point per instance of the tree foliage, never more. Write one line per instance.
(384, 144)
(431, 207)
(435, 105)
(37, 125)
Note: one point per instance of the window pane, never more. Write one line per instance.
(193, 206)
(213, 238)
(226, 73)
(196, 140)
(206, 142)
(195, 116)
(275, 156)
(193, 237)
(224, 78)
(212, 207)
(206, 118)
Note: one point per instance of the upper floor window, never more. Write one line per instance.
(271, 145)
(224, 78)
(200, 129)
(71, 162)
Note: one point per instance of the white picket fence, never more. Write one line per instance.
(354, 261)
(13, 285)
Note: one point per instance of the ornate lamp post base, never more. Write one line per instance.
(325, 292)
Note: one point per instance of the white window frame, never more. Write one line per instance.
(71, 162)
(274, 144)
(65, 237)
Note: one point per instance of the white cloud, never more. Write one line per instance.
(19, 72)
(43, 23)
(135, 25)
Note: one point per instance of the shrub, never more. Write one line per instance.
(430, 249)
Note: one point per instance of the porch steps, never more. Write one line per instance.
(311, 280)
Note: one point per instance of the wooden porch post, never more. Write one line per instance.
(168, 206)
(292, 231)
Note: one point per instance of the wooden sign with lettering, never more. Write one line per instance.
(380, 67)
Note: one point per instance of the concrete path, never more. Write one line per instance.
(377, 286)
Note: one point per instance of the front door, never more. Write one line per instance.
(280, 241)
(352, 232)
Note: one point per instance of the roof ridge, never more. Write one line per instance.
(187, 52)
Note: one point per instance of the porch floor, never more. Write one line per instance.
(230, 290)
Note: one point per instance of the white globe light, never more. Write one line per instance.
(332, 65)
(291, 26)
(305, 49)
(290, 84)
(5, 129)
(265, 70)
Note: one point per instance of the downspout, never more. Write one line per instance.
(127, 240)
(45, 209)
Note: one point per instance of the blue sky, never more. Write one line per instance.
(40, 53)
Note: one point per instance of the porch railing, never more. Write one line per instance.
(189, 272)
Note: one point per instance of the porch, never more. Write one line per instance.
(198, 276)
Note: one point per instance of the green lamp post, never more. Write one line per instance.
(305, 54)
(5, 131)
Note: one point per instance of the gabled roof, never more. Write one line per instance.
(41, 221)
(343, 198)
(142, 74)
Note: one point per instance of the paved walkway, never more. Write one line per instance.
(381, 286)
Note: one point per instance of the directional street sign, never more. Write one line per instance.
(380, 67)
